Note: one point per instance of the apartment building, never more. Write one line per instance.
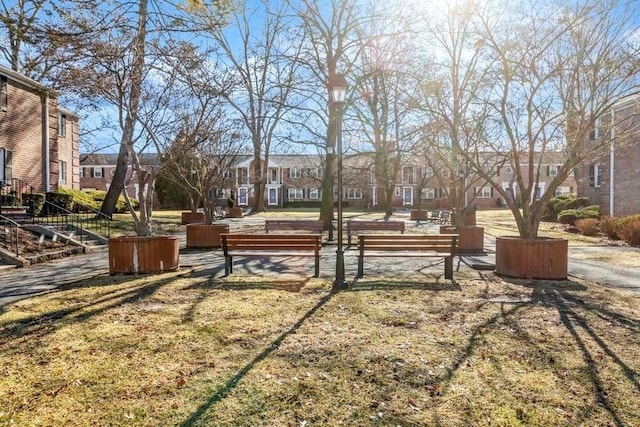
(611, 180)
(96, 172)
(296, 180)
(39, 140)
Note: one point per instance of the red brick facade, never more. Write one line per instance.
(33, 152)
(616, 193)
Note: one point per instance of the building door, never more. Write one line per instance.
(273, 196)
(408, 196)
(243, 196)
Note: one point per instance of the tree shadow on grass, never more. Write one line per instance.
(44, 323)
(572, 310)
(205, 287)
(232, 382)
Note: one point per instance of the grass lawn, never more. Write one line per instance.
(186, 349)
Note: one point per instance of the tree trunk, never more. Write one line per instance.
(388, 207)
(117, 183)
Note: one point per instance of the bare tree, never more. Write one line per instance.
(114, 65)
(329, 48)
(556, 72)
(446, 94)
(261, 64)
(204, 169)
(381, 109)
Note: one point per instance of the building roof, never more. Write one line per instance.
(111, 159)
(21, 78)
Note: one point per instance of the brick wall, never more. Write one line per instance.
(21, 132)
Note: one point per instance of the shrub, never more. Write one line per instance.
(630, 230)
(35, 201)
(9, 200)
(587, 226)
(609, 226)
(63, 200)
(570, 216)
(563, 203)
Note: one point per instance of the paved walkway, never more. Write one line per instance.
(18, 283)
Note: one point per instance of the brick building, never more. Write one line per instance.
(295, 180)
(611, 180)
(38, 139)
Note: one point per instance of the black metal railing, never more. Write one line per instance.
(9, 235)
(83, 223)
(11, 192)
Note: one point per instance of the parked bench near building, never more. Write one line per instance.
(353, 227)
(408, 245)
(263, 245)
(312, 226)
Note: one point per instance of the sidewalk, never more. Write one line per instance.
(19, 283)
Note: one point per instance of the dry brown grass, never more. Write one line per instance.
(185, 349)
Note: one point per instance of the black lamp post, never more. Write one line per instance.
(338, 91)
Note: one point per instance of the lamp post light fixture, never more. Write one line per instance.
(338, 92)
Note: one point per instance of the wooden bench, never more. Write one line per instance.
(293, 225)
(408, 245)
(445, 217)
(263, 245)
(434, 217)
(354, 226)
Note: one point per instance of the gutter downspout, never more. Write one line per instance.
(612, 157)
(47, 167)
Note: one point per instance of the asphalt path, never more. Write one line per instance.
(20, 283)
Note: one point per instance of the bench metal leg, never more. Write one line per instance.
(348, 239)
(360, 266)
(317, 267)
(228, 265)
(448, 268)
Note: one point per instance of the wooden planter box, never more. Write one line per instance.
(192, 217)
(205, 235)
(142, 255)
(418, 215)
(470, 238)
(541, 258)
(235, 213)
(469, 218)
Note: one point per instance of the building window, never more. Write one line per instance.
(314, 193)
(62, 172)
(6, 174)
(428, 193)
(3, 93)
(295, 173)
(354, 193)
(273, 176)
(314, 172)
(563, 191)
(596, 130)
(62, 125)
(81, 172)
(396, 191)
(595, 178)
(407, 175)
(243, 176)
(98, 172)
(426, 172)
(295, 193)
(484, 192)
(552, 170)
(226, 174)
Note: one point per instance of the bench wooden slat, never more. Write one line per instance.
(263, 245)
(314, 226)
(373, 226)
(414, 245)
